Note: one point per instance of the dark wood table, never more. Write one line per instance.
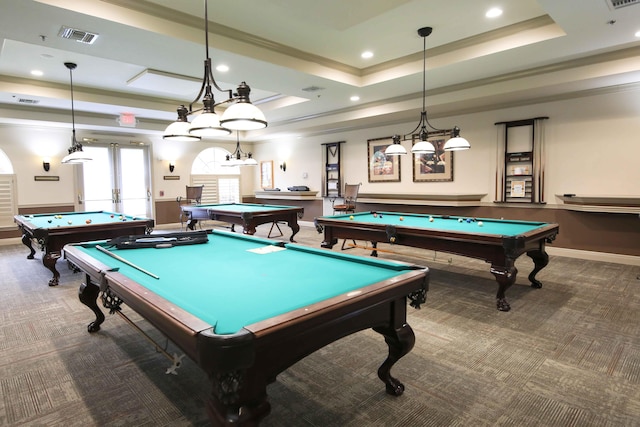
(497, 241)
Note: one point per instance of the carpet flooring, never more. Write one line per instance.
(565, 355)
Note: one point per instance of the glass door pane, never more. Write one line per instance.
(98, 180)
(133, 185)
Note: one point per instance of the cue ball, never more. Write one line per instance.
(351, 217)
(69, 222)
(430, 219)
(460, 219)
(480, 224)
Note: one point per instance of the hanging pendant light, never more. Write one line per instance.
(76, 155)
(240, 115)
(236, 158)
(424, 146)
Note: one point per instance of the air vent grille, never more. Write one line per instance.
(617, 4)
(80, 36)
(28, 101)
(312, 88)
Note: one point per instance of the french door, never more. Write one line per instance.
(117, 179)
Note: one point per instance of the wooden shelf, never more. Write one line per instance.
(422, 199)
(600, 203)
(286, 195)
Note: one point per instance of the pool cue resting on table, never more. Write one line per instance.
(119, 258)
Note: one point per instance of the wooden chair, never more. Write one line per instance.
(348, 200)
(348, 204)
(193, 197)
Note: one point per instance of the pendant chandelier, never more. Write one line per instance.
(240, 115)
(423, 146)
(239, 157)
(76, 155)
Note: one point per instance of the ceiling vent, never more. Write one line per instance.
(312, 88)
(618, 4)
(28, 101)
(80, 36)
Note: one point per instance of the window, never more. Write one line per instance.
(8, 204)
(221, 183)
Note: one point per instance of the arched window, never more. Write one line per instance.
(8, 204)
(221, 183)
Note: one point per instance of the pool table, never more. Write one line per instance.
(246, 308)
(248, 215)
(52, 231)
(497, 241)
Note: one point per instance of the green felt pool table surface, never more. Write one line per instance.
(235, 281)
(487, 226)
(74, 219)
(243, 207)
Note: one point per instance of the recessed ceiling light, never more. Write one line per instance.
(355, 98)
(366, 54)
(494, 12)
(637, 33)
(222, 68)
(37, 73)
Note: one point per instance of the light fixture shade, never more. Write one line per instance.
(179, 131)
(457, 143)
(208, 124)
(243, 116)
(250, 161)
(395, 149)
(76, 157)
(423, 147)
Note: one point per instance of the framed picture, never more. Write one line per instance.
(437, 166)
(382, 168)
(266, 174)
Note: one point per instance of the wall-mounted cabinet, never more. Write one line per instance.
(332, 174)
(520, 162)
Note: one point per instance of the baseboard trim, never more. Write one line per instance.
(594, 256)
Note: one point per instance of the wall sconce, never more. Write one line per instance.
(283, 166)
(46, 164)
(172, 166)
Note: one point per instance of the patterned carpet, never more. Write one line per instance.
(565, 355)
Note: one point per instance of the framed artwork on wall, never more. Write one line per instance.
(435, 167)
(382, 168)
(266, 174)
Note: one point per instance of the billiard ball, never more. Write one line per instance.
(111, 215)
(375, 215)
(351, 217)
(460, 219)
(430, 219)
(468, 220)
(88, 221)
(480, 224)
(69, 222)
(401, 218)
(49, 221)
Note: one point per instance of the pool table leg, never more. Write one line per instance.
(506, 276)
(26, 240)
(49, 260)
(293, 225)
(540, 260)
(400, 342)
(88, 294)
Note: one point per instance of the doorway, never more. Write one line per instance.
(117, 180)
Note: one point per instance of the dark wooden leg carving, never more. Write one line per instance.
(328, 243)
(26, 240)
(374, 252)
(293, 225)
(88, 294)
(249, 228)
(400, 342)
(506, 276)
(49, 260)
(540, 259)
(232, 404)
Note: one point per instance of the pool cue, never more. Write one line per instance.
(119, 258)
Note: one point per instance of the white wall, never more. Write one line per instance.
(593, 148)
